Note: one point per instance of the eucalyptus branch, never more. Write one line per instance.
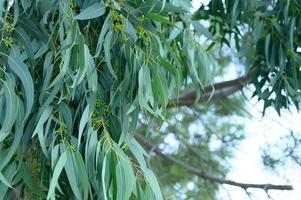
(205, 175)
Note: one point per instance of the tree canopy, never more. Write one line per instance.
(84, 81)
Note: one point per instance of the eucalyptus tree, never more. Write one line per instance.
(77, 75)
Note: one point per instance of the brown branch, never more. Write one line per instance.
(216, 91)
(206, 175)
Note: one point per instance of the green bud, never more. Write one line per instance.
(8, 27)
(8, 42)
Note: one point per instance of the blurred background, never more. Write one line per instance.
(227, 137)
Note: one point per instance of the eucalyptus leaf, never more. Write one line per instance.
(93, 11)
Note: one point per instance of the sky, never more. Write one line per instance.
(246, 164)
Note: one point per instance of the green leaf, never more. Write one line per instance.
(91, 72)
(18, 134)
(234, 13)
(80, 63)
(23, 73)
(26, 175)
(145, 93)
(138, 152)
(131, 31)
(82, 171)
(160, 88)
(9, 172)
(151, 179)
(25, 4)
(125, 178)
(4, 181)
(202, 30)
(56, 174)
(44, 117)
(171, 69)
(32, 28)
(93, 11)
(267, 49)
(83, 121)
(257, 31)
(159, 18)
(105, 28)
(155, 6)
(90, 151)
(67, 116)
(103, 177)
(153, 183)
(26, 42)
(71, 171)
(10, 108)
(291, 32)
(175, 32)
(107, 48)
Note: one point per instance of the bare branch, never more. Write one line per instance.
(216, 91)
(206, 175)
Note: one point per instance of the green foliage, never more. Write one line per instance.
(266, 33)
(75, 75)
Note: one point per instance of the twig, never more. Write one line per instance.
(206, 175)
(248, 194)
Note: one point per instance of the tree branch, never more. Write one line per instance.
(216, 91)
(206, 175)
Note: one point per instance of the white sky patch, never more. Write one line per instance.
(247, 165)
(214, 143)
(164, 127)
(190, 186)
(196, 4)
(171, 144)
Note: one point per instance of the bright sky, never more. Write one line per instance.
(247, 165)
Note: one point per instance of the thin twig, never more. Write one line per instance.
(206, 175)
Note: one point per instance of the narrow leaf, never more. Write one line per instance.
(93, 11)
(56, 174)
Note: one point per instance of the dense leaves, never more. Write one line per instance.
(76, 76)
(267, 34)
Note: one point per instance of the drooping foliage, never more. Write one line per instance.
(267, 35)
(76, 76)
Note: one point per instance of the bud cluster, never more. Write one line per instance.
(99, 115)
(8, 29)
(143, 34)
(118, 21)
